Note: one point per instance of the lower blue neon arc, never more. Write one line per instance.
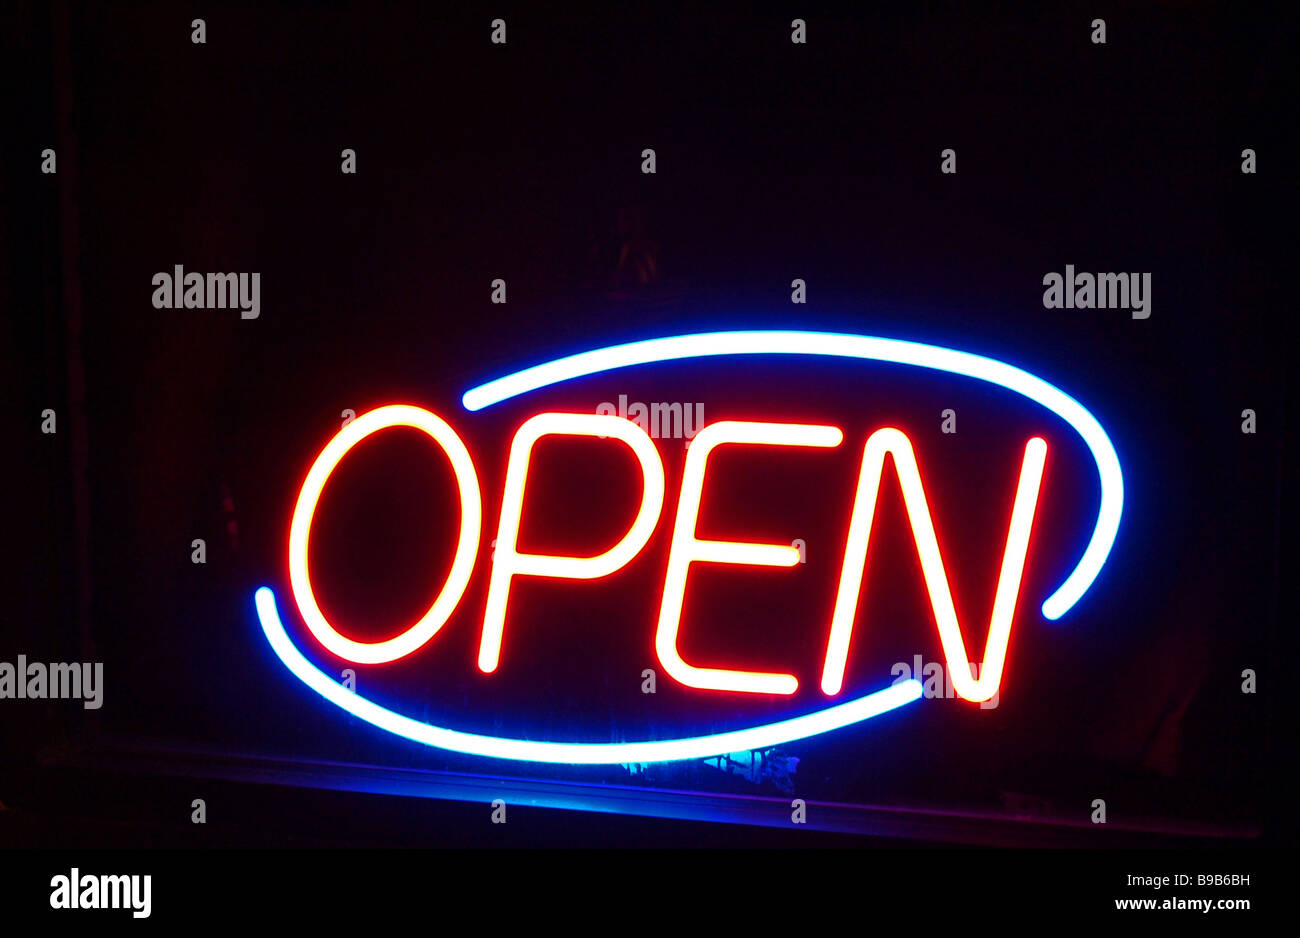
(872, 348)
(667, 750)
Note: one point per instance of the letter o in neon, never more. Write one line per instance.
(471, 523)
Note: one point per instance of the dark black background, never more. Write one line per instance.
(775, 161)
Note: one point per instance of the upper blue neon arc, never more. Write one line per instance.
(844, 345)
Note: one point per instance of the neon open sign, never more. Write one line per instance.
(687, 549)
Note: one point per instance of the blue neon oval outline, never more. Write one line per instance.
(527, 750)
(847, 345)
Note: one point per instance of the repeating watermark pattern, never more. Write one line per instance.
(935, 682)
(1098, 291)
(179, 290)
(75, 891)
(661, 420)
(34, 680)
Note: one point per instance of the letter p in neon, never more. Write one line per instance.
(510, 563)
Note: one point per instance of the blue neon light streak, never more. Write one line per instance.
(842, 345)
(695, 747)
